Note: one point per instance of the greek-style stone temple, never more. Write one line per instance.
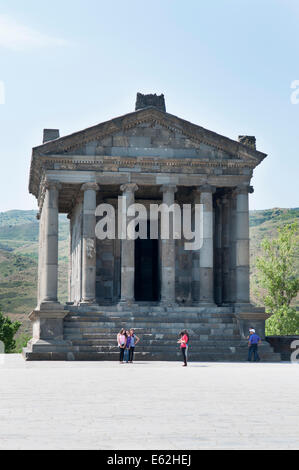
(154, 285)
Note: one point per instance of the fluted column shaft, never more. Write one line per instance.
(207, 250)
(242, 244)
(218, 252)
(226, 297)
(128, 249)
(196, 262)
(89, 243)
(48, 285)
(168, 253)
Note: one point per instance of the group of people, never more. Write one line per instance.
(127, 340)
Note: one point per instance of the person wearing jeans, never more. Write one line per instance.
(183, 341)
(121, 341)
(254, 341)
(134, 341)
(128, 344)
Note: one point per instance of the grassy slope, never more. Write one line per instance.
(264, 224)
(18, 256)
(18, 263)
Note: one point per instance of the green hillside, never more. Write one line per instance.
(18, 262)
(264, 224)
(19, 245)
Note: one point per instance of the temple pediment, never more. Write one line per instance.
(150, 132)
(148, 140)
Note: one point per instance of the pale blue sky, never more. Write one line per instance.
(227, 65)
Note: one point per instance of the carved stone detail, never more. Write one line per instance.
(207, 188)
(90, 186)
(244, 189)
(144, 101)
(169, 188)
(129, 187)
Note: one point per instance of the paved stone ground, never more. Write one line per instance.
(148, 405)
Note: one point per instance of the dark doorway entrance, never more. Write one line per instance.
(146, 270)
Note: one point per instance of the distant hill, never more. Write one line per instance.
(18, 261)
(264, 224)
(19, 247)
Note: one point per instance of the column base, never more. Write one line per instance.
(88, 303)
(47, 322)
(205, 304)
(168, 305)
(249, 316)
(125, 305)
(48, 350)
(49, 306)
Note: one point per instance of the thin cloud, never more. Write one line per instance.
(18, 37)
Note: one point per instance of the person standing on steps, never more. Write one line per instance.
(121, 341)
(254, 341)
(183, 341)
(128, 344)
(134, 341)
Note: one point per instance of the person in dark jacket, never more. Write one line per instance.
(134, 341)
(128, 344)
(253, 341)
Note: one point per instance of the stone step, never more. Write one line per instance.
(114, 356)
(166, 315)
(148, 309)
(151, 346)
(143, 335)
(193, 332)
(91, 339)
(153, 320)
(210, 337)
(173, 350)
(149, 326)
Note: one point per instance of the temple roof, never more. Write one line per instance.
(69, 145)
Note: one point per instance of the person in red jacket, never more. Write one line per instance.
(183, 341)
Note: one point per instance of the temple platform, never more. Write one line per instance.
(89, 334)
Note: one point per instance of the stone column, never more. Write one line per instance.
(70, 259)
(89, 243)
(168, 254)
(225, 249)
(207, 252)
(47, 318)
(196, 261)
(218, 252)
(232, 251)
(128, 250)
(49, 240)
(242, 245)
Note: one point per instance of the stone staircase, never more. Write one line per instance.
(214, 334)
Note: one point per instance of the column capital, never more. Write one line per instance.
(169, 188)
(206, 188)
(90, 186)
(225, 200)
(244, 189)
(53, 185)
(129, 187)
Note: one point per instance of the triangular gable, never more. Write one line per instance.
(194, 134)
